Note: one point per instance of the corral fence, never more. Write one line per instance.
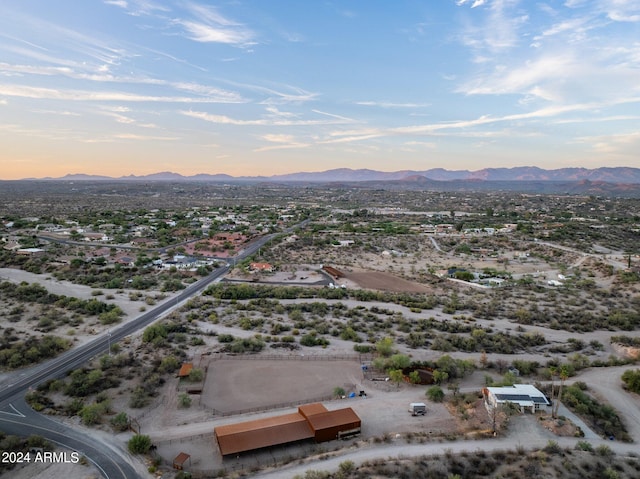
(151, 408)
(269, 407)
(362, 358)
(249, 463)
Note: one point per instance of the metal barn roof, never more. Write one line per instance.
(331, 419)
(249, 435)
(272, 431)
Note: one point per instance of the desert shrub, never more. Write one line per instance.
(602, 417)
(196, 375)
(155, 333)
(16, 354)
(435, 393)
(245, 345)
(362, 348)
(84, 382)
(120, 422)
(168, 364)
(184, 400)
(92, 413)
(139, 444)
(313, 339)
(631, 380)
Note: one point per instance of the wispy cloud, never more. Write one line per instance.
(86, 95)
(222, 119)
(548, 112)
(270, 120)
(620, 143)
(212, 93)
(139, 7)
(534, 77)
(57, 112)
(281, 141)
(498, 28)
(622, 10)
(390, 104)
(133, 136)
(209, 25)
(454, 128)
(474, 3)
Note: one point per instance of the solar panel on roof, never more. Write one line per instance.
(539, 400)
(513, 397)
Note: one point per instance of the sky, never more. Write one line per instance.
(265, 87)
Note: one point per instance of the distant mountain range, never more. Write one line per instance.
(625, 175)
(607, 181)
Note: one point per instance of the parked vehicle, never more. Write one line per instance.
(418, 408)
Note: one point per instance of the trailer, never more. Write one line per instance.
(418, 408)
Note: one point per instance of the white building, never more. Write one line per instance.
(525, 396)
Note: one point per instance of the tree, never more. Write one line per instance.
(454, 388)
(196, 375)
(496, 416)
(139, 444)
(154, 333)
(396, 376)
(484, 362)
(553, 371)
(631, 380)
(501, 364)
(399, 361)
(435, 393)
(184, 400)
(384, 347)
(440, 376)
(563, 372)
(338, 392)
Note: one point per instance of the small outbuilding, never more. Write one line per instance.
(178, 462)
(185, 369)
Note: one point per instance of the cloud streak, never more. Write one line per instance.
(42, 93)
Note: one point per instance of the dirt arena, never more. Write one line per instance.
(386, 282)
(245, 384)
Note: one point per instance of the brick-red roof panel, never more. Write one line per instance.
(271, 431)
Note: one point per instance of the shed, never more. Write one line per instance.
(185, 369)
(178, 462)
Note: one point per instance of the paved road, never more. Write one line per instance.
(109, 462)
(16, 417)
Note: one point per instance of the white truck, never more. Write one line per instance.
(418, 408)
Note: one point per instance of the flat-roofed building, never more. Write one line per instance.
(526, 396)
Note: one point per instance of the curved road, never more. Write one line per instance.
(16, 417)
